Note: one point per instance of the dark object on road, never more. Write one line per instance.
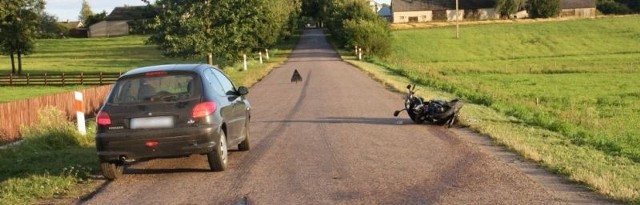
(296, 76)
(432, 111)
(171, 111)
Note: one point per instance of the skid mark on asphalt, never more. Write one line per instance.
(245, 166)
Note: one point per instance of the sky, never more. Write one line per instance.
(70, 9)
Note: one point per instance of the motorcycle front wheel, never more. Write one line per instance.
(414, 117)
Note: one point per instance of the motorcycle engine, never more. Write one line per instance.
(436, 106)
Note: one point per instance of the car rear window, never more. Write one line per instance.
(155, 88)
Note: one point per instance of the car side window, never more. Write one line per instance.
(213, 82)
(227, 85)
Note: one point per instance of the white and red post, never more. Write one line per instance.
(79, 107)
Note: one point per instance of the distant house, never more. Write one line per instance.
(578, 8)
(76, 28)
(405, 11)
(385, 12)
(71, 24)
(122, 21)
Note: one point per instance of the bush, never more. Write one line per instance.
(508, 7)
(634, 5)
(612, 7)
(365, 28)
(371, 35)
(543, 8)
(53, 131)
(52, 159)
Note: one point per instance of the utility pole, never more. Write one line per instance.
(457, 26)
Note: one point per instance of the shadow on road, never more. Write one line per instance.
(348, 120)
(163, 171)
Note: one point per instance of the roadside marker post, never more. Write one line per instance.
(244, 60)
(79, 107)
(267, 52)
(260, 57)
(359, 53)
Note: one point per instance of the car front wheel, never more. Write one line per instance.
(219, 156)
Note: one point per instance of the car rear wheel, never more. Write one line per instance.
(244, 145)
(219, 156)
(111, 170)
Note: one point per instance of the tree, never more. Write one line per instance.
(507, 8)
(223, 28)
(85, 12)
(94, 18)
(315, 9)
(543, 8)
(48, 27)
(19, 28)
(618, 6)
(371, 35)
(353, 22)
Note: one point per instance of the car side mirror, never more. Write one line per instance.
(243, 90)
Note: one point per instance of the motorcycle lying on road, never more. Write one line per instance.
(432, 111)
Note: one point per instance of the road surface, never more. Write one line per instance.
(332, 139)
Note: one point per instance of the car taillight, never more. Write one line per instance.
(203, 109)
(103, 118)
(155, 73)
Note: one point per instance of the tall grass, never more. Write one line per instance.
(53, 158)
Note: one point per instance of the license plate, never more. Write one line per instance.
(152, 122)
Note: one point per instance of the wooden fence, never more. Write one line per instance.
(59, 79)
(15, 114)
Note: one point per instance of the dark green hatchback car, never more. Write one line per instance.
(170, 111)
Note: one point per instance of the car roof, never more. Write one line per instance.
(168, 67)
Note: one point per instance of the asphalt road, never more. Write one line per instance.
(332, 139)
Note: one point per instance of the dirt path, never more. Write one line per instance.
(332, 139)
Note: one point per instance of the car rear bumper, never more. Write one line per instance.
(176, 142)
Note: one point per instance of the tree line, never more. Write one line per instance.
(551, 8)
(224, 29)
(352, 23)
(619, 6)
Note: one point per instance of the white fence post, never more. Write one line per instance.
(244, 57)
(267, 52)
(79, 106)
(260, 57)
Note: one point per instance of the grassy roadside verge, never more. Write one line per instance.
(614, 176)
(56, 165)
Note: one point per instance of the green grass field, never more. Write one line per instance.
(75, 55)
(118, 54)
(580, 79)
